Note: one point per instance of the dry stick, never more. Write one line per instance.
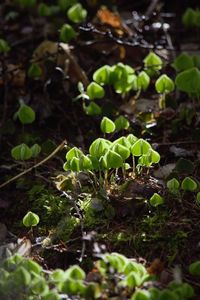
(151, 7)
(59, 148)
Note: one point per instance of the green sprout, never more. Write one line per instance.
(188, 81)
(194, 268)
(191, 17)
(121, 123)
(95, 91)
(153, 64)
(173, 185)
(77, 13)
(156, 200)
(25, 114)
(31, 219)
(21, 152)
(107, 125)
(4, 47)
(189, 184)
(164, 85)
(67, 33)
(34, 71)
(102, 75)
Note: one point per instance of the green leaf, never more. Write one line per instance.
(143, 81)
(31, 219)
(51, 296)
(95, 91)
(74, 164)
(102, 75)
(123, 141)
(36, 149)
(31, 266)
(75, 273)
(93, 109)
(156, 200)
(123, 151)
(140, 147)
(58, 275)
(34, 71)
(26, 114)
(133, 280)
(198, 197)
(189, 17)
(132, 139)
(189, 81)
(183, 62)
(107, 125)
(164, 84)
(121, 123)
(67, 33)
(194, 268)
(188, 184)
(85, 163)
(44, 10)
(166, 295)
(173, 185)
(112, 160)
(77, 13)
(153, 63)
(141, 295)
(73, 152)
(4, 47)
(39, 286)
(22, 276)
(21, 152)
(99, 147)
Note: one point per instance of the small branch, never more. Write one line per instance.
(59, 148)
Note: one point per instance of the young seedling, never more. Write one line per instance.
(67, 33)
(183, 62)
(153, 64)
(107, 125)
(30, 220)
(156, 200)
(4, 47)
(188, 81)
(173, 186)
(102, 75)
(77, 13)
(194, 268)
(34, 71)
(191, 17)
(189, 184)
(143, 81)
(95, 91)
(164, 85)
(198, 198)
(21, 152)
(25, 114)
(121, 123)
(123, 78)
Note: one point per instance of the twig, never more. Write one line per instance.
(151, 7)
(59, 148)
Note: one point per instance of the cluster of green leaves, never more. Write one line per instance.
(123, 79)
(105, 155)
(24, 152)
(191, 17)
(188, 77)
(188, 184)
(24, 279)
